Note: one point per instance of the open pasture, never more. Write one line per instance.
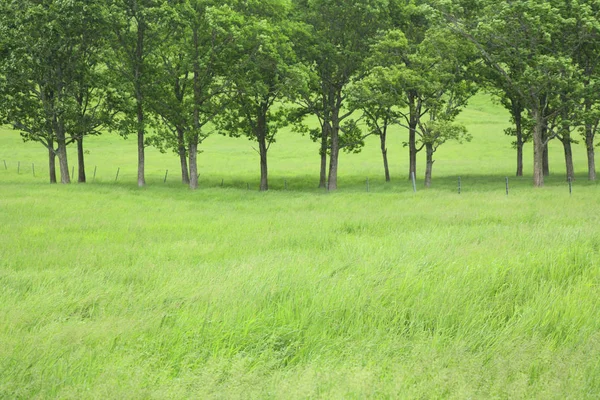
(110, 291)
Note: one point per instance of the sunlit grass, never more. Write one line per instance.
(110, 291)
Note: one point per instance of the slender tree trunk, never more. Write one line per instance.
(591, 157)
(323, 153)
(262, 146)
(566, 141)
(193, 154)
(538, 149)
(335, 151)
(386, 168)
(412, 135)
(429, 165)
(52, 162)
(519, 131)
(80, 160)
(140, 143)
(185, 176)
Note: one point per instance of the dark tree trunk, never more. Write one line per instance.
(566, 141)
(262, 146)
(52, 162)
(80, 160)
(538, 149)
(140, 144)
(386, 168)
(323, 155)
(519, 131)
(185, 176)
(193, 154)
(412, 135)
(429, 165)
(591, 157)
(335, 151)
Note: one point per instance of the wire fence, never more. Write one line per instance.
(100, 174)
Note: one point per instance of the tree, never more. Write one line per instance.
(43, 42)
(339, 35)
(135, 34)
(263, 75)
(526, 35)
(188, 88)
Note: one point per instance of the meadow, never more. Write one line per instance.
(111, 291)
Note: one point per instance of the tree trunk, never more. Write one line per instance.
(386, 168)
(140, 143)
(80, 160)
(193, 154)
(323, 154)
(412, 135)
(538, 149)
(519, 131)
(335, 151)
(52, 162)
(429, 166)
(62, 151)
(591, 157)
(262, 146)
(566, 141)
(185, 176)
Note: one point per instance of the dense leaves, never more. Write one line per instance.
(172, 72)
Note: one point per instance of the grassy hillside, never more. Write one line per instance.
(110, 291)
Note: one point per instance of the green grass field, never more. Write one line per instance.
(110, 291)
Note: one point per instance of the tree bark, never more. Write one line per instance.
(80, 160)
(262, 146)
(429, 165)
(323, 154)
(386, 168)
(138, 76)
(538, 149)
(185, 176)
(52, 162)
(193, 154)
(335, 150)
(62, 151)
(566, 141)
(519, 132)
(412, 135)
(591, 157)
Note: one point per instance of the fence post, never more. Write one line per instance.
(507, 185)
(5, 167)
(18, 167)
(285, 184)
(118, 170)
(166, 173)
(33, 169)
(459, 185)
(368, 188)
(414, 182)
(222, 181)
(94, 178)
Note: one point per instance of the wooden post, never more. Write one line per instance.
(94, 178)
(459, 185)
(33, 169)
(118, 170)
(507, 185)
(166, 174)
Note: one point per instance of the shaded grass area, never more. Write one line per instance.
(109, 291)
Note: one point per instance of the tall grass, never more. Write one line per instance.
(110, 291)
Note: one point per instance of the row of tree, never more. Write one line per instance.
(174, 71)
